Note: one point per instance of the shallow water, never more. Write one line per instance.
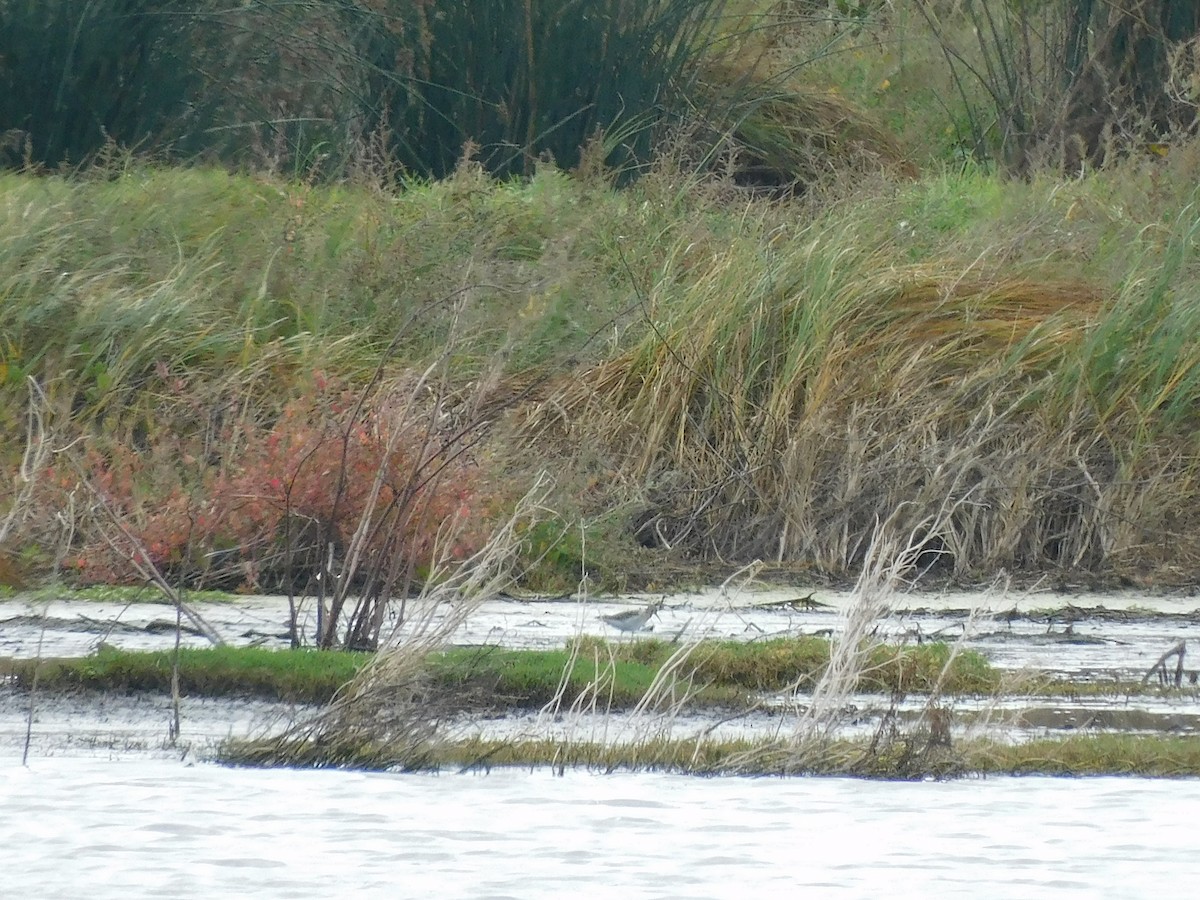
(134, 725)
(1100, 645)
(117, 829)
(107, 807)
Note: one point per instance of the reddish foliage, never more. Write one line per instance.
(313, 468)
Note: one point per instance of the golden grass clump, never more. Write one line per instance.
(792, 389)
(786, 138)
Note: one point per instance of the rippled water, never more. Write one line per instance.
(86, 827)
(106, 809)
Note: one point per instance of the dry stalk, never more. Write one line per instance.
(369, 521)
(33, 461)
(389, 713)
(112, 526)
(1178, 650)
(890, 560)
(33, 687)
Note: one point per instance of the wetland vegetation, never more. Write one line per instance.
(729, 673)
(307, 313)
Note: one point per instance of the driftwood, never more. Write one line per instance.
(808, 603)
(1160, 666)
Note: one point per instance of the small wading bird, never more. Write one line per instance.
(633, 619)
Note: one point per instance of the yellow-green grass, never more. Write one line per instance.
(766, 382)
(104, 278)
(797, 389)
(781, 663)
(1107, 754)
(720, 673)
(294, 676)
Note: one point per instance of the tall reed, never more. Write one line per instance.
(522, 79)
(786, 398)
(78, 74)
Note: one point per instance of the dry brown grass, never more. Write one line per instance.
(788, 396)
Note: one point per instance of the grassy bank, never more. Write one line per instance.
(617, 675)
(715, 370)
(300, 676)
(613, 676)
(709, 375)
(1153, 757)
(606, 677)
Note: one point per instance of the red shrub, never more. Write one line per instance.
(317, 462)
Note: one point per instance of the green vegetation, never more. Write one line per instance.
(814, 307)
(748, 277)
(786, 350)
(323, 85)
(608, 677)
(299, 676)
(1109, 754)
(615, 676)
(723, 673)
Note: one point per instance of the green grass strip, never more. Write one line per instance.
(294, 676)
(610, 675)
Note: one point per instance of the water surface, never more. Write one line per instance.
(89, 827)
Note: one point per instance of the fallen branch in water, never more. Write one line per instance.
(1160, 666)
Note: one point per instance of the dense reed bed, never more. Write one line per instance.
(723, 377)
(806, 307)
(797, 382)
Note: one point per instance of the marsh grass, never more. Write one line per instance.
(818, 695)
(729, 672)
(777, 663)
(1148, 757)
(1116, 754)
(623, 69)
(300, 676)
(207, 271)
(767, 390)
(786, 399)
(797, 380)
(726, 673)
(64, 60)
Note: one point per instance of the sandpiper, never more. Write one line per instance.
(633, 619)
